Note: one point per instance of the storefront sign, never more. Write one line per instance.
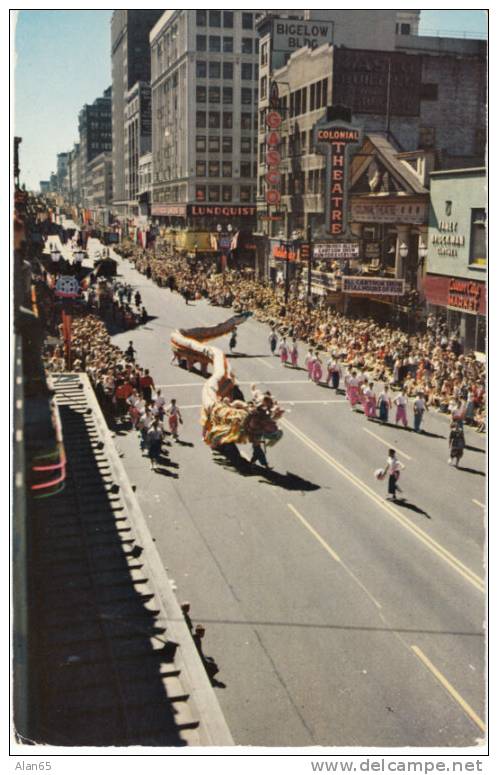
(379, 286)
(464, 295)
(230, 211)
(389, 212)
(372, 250)
(362, 79)
(447, 241)
(336, 141)
(291, 35)
(336, 250)
(180, 211)
(283, 253)
(273, 121)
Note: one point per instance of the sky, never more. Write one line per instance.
(62, 61)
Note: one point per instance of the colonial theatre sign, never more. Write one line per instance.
(336, 140)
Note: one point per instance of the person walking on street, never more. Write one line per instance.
(333, 372)
(393, 469)
(146, 386)
(384, 404)
(154, 441)
(456, 442)
(283, 351)
(233, 341)
(294, 354)
(174, 417)
(419, 408)
(273, 339)
(370, 401)
(317, 371)
(401, 402)
(309, 362)
(258, 455)
(130, 352)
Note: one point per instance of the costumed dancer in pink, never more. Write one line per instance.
(401, 402)
(354, 390)
(283, 352)
(309, 361)
(370, 404)
(317, 371)
(294, 354)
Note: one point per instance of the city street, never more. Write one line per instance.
(334, 616)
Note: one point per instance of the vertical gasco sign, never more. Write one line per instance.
(336, 140)
(273, 121)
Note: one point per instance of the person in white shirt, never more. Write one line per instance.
(159, 403)
(174, 417)
(333, 372)
(154, 441)
(384, 404)
(401, 402)
(419, 408)
(393, 468)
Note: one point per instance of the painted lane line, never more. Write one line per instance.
(424, 537)
(450, 689)
(478, 503)
(330, 551)
(386, 443)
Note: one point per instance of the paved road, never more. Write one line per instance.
(335, 618)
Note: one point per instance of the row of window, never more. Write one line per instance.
(224, 193)
(213, 95)
(217, 44)
(299, 183)
(214, 120)
(214, 144)
(222, 19)
(224, 169)
(215, 70)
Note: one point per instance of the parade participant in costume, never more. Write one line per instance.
(294, 354)
(419, 408)
(384, 404)
(393, 468)
(401, 402)
(174, 417)
(273, 339)
(333, 372)
(317, 371)
(154, 442)
(370, 401)
(159, 404)
(146, 386)
(354, 390)
(233, 340)
(283, 351)
(456, 442)
(308, 362)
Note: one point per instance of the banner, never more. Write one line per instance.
(336, 250)
(380, 286)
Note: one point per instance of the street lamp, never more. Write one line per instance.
(403, 250)
(422, 254)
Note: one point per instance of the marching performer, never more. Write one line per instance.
(333, 372)
(294, 354)
(354, 390)
(317, 371)
(384, 404)
(308, 362)
(401, 402)
(174, 417)
(283, 351)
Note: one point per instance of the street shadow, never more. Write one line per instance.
(164, 472)
(475, 449)
(288, 481)
(431, 435)
(471, 470)
(163, 460)
(245, 355)
(184, 443)
(411, 507)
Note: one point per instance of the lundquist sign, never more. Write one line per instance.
(373, 285)
(336, 141)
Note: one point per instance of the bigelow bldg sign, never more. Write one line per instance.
(291, 35)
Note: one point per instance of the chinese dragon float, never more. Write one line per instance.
(225, 418)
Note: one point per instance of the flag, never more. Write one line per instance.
(235, 241)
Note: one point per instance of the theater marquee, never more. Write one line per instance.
(336, 141)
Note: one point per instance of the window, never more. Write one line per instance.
(429, 92)
(478, 254)
(245, 120)
(228, 19)
(200, 143)
(200, 193)
(246, 71)
(214, 94)
(263, 82)
(200, 119)
(227, 95)
(200, 18)
(405, 29)
(246, 96)
(214, 144)
(214, 119)
(227, 45)
(245, 193)
(215, 18)
(200, 42)
(200, 94)
(215, 43)
(214, 69)
(214, 169)
(426, 137)
(264, 54)
(227, 169)
(245, 169)
(226, 193)
(227, 71)
(227, 120)
(246, 46)
(324, 92)
(227, 146)
(200, 169)
(214, 193)
(200, 68)
(245, 145)
(247, 21)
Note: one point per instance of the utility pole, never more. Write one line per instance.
(287, 243)
(308, 241)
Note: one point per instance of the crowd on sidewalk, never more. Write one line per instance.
(430, 363)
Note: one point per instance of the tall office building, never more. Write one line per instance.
(204, 106)
(130, 56)
(95, 130)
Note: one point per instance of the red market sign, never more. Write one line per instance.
(458, 293)
(336, 141)
(284, 254)
(464, 295)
